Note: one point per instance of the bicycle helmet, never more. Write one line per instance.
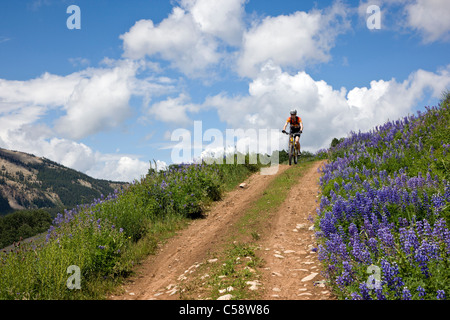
(294, 112)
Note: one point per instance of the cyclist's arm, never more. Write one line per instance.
(285, 126)
(301, 125)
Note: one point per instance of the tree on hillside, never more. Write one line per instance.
(23, 224)
(336, 141)
(4, 205)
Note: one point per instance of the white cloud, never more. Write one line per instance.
(39, 140)
(390, 99)
(292, 40)
(94, 99)
(325, 111)
(119, 168)
(24, 102)
(98, 102)
(220, 18)
(190, 38)
(173, 110)
(430, 18)
(47, 90)
(176, 39)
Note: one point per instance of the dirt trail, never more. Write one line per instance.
(158, 276)
(290, 267)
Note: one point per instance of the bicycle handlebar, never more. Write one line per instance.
(287, 133)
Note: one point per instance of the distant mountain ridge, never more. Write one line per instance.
(30, 182)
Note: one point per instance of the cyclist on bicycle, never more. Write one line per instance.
(296, 127)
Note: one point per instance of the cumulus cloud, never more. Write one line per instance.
(98, 102)
(176, 39)
(198, 35)
(39, 140)
(292, 40)
(326, 112)
(120, 167)
(93, 100)
(190, 37)
(221, 18)
(47, 90)
(430, 18)
(173, 110)
(24, 102)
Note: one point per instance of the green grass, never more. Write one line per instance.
(274, 195)
(239, 265)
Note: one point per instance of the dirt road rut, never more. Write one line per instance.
(291, 270)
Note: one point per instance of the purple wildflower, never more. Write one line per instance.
(440, 295)
(406, 294)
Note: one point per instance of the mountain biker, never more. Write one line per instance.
(296, 127)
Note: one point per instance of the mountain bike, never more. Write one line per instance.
(294, 152)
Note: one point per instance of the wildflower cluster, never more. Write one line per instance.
(386, 202)
(86, 230)
(182, 189)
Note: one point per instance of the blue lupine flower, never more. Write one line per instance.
(421, 291)
(364, 290)
(440, 295)
(356, 296)
(406, 294)
(438, 202)
(379, 293)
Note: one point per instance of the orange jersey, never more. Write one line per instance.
(295, 123)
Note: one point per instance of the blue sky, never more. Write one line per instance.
(107, 98)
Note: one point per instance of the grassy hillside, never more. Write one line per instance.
(106, 238)
(33, 190)
(384, 215)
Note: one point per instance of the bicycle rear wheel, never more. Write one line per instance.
(291, 153)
